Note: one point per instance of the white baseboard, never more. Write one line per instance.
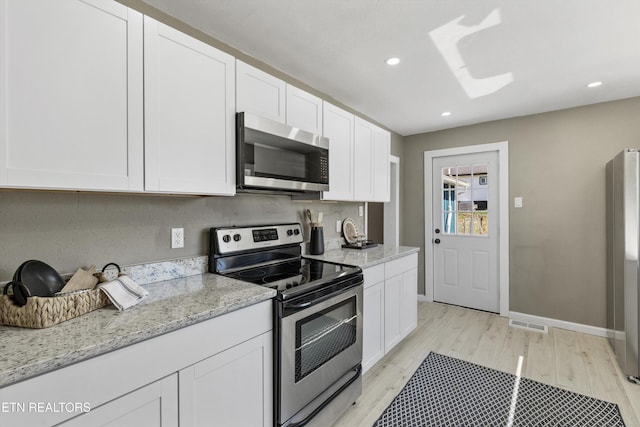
(562, 324)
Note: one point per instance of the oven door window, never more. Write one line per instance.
(324, 335)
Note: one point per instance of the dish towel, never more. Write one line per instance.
(123, 292)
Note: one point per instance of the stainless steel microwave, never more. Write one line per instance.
(275, 157)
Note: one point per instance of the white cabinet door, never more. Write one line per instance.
(409, 304)
(392, 312)
(338, 127)
(363, 164)
(260, 93)
(71, 95)
(232, 388)
(401, 298)
(189, 114)
(153, 405)
(304, 110)
(373, 325)
(381, 159)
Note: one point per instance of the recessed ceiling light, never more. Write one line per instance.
(594, 84)
(446, 114)
(393, 61)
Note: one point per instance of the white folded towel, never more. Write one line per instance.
(123, 292)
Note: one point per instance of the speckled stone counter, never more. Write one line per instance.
(171, 304)
(365, 257)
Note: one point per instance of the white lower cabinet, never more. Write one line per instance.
(154, 405)
(233, 388)
(392, 312)
(390, 306)
(216, 372)
(373, 324)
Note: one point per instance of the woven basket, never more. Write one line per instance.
(42, 312)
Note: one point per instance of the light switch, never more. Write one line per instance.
(517, 202)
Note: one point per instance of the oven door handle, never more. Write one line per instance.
(357, 370)
(300, 306)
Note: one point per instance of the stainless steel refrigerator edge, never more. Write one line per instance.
(623, 260)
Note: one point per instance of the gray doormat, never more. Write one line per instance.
(445, 391)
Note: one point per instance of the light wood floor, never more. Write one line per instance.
(577, 362)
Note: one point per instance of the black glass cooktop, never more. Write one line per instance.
(289, 275)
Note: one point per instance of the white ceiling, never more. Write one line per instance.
(502, 58)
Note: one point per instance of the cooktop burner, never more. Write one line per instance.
(290, 274)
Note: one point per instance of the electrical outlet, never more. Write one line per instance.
(338, 226)
(177, 238)
(360, 210)
(517, 202)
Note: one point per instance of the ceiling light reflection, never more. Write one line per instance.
(446, 38)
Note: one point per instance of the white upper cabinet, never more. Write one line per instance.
(189, 114)
(363, 165)
(338, 127)
(359, 155)
(71, 95)
(260, 93)
(381, 165)
(371, 167)
(304, 110)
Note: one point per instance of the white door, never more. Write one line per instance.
(465, 230)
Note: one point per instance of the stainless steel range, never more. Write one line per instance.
(317, 319)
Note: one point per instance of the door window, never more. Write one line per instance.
(465, 194)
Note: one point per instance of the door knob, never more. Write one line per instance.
(436, 241)
(437, 231)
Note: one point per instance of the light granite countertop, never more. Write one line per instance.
(174, 302)
(368, 257)
(171, 304)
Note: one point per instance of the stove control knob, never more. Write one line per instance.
(236, 237)
(289, 232)
(226, 238)
(296, 231)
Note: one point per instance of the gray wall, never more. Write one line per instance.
(557, 164)
(71, 230)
